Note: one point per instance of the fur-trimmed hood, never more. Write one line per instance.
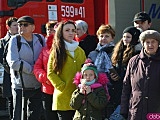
(102, 78)
(101, 81)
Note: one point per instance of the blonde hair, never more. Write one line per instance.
(106, 29)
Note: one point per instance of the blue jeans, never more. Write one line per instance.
(33, 101)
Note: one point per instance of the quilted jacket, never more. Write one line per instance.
(40, 68)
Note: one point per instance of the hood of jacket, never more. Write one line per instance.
(102, 78)
(49, 41)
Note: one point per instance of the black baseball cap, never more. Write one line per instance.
(26, 19)
(142, 16)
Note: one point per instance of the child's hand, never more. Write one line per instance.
(88, 89)
(85, 89)
(83, 81)
(82, 89)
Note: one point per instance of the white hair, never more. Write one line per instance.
(82, 24)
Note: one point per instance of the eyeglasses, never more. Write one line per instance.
(24, 24)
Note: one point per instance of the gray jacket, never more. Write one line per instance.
(26, 54)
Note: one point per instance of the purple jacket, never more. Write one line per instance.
(141, 86)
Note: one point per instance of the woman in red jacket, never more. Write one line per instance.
(40, 71)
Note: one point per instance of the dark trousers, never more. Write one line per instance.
(10, 107)
(66, 115)
(47, 105)
(34, 104)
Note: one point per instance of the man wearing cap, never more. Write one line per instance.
(25, 58)
(142, 20)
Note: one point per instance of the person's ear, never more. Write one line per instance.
(33, 28)
(149, 24)
(7, 27)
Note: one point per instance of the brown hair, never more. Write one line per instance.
(106, 29)
(58, 47)
(10, 20)
(51, 24)
(120, 53)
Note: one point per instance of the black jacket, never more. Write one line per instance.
(6, 78)
(88, 44)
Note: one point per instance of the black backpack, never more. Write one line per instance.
(5, 64)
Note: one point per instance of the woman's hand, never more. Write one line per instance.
(114, 76)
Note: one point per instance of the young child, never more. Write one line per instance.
(91, 97)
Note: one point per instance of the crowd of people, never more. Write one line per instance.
(72, 75)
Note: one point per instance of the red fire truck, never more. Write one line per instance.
(118, 13)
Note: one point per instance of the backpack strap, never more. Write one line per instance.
(39, 38)
(18, 42)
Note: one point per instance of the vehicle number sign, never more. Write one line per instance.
(71, 11)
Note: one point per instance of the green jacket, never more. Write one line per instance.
(63, 82)
(91, 106)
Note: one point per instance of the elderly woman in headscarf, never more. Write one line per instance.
(141, 84)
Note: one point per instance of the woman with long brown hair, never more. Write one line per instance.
(123, 51)
(64, 61)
